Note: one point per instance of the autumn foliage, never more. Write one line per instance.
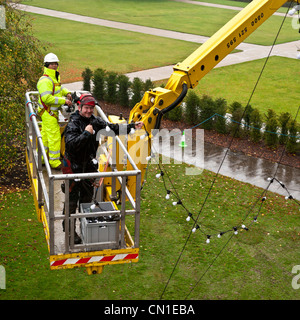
(20, 68)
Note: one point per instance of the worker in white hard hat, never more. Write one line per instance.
(52, 95)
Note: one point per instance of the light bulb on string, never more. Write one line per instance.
(263, 199)
(282, 184)
(175, 203)
(255, 219)
(168, 194)
(244, 227)
(194, 229)
(158, 175)
(132, 131)
(189, 217)
(220, 234)
(293, 10)
(208, 239)
(107, 128)
(94, 205)
(289, 197)
(235, 230)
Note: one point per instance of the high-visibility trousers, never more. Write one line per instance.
(51, 138)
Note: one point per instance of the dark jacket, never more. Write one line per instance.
(81, 146)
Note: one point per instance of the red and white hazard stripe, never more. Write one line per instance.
(94, 259)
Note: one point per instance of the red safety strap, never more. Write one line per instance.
(44, 105)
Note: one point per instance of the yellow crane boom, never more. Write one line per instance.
(187, 74)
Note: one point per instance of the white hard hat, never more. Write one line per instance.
(51, 57)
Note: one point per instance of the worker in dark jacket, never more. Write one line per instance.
(80, 149)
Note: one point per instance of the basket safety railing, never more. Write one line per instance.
(35, 152)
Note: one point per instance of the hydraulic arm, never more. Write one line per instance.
(187, 74)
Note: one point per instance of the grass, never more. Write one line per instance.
(277, 88)
(80, 45)
(169, 15)
(256, 264)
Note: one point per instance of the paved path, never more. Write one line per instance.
(207, 4)
(248, 52)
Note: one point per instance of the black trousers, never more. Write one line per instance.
(79, 192)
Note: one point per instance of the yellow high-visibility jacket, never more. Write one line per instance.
(52, 93)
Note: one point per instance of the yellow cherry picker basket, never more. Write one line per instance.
(105, 241)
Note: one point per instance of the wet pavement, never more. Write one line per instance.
(236, 165)
(253, 170)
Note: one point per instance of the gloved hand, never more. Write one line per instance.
(66, 110)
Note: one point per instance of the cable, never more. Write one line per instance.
(225, 155)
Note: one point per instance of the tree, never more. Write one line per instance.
(20, 68)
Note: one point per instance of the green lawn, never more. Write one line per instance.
(256, 264)
(278, 88)
(169, 15)
(80, 45)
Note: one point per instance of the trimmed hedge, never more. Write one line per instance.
(204, 112)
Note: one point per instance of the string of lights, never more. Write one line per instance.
(235, 228)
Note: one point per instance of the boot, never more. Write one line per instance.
(77, 239)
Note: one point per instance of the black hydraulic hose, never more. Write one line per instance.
(172, 105)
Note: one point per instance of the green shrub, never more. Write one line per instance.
(256, 124)
(284, 119)
(207, 110)
(111, 87)
(99, 84)
(175, 114)
(270, 134)
(192, 107)
(87, 75)
(137, 90)
(247, 119)
(148, 85)
(220, 121)
(292, 145)
(236, 111)
(122, 95)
